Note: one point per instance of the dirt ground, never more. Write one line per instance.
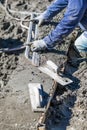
(69, 108)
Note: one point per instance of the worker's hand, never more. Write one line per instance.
(38, 45)
(40, 19)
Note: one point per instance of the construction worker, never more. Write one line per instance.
(76, 13)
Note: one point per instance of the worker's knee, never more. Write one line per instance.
(81, 43)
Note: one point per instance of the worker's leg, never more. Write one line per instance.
(72, 55)
(81, 42)
(75, 54)
(81, 45)
(77, 50)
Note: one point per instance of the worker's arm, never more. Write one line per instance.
(51, 11)
(55, 8)
(72, 17)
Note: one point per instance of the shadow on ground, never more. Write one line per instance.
(10, 43)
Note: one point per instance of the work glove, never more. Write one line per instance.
(39, 19)
(38, 45)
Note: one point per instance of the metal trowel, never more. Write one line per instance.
(34, 59)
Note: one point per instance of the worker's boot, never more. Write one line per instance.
(73, 56)
(73, 60)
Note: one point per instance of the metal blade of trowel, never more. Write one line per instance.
(35, 59)
(36, 96)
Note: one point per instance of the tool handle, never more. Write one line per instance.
(43, 118)
(30, 30)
